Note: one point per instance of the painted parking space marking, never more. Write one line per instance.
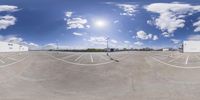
(91, 58)
(175, 59)
(11, 58)
(79, 57)
(186, 61)
(176, 66)
(3, 66)
(2, 61)
(89, 64)
(68, 56)
(163, 55)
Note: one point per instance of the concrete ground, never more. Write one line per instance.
(95, 76)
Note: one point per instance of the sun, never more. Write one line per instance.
(100, 23)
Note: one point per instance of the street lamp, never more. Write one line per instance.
(103, 24)
(57, 46)
(107, 39)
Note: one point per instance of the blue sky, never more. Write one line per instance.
(75, 23)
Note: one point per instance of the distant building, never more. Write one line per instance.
(191, 46)
(12, 47)
(165, 49)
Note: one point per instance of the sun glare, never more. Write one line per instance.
(100, 23)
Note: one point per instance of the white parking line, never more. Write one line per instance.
(15, 62)
(12, 58)
(2, 61)
(68, 56)
(186, 61)
(175, 66)
(162, 55)
(91, 58)
(79, 57)
(175, 59)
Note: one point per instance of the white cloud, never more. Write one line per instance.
(169, 22)
(49, 46)
(155, 37)
(78, 22)
(18, 40)
(30, 45)
(98, 40)
(11, 38)
(68, 14)
(14, 40)
(78, 34)
(127, 42)
(33, 46)
(6, 21)
(138, 43)
(197, 25)
(55, 46)
(87, 26)
(113, 41)
(194, 37)
(171, 15)
(175, 41)
(149, 22)
(128, 9)
(166, 34)
(143, 35)
(8, 8)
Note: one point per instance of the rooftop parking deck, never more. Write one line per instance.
(129, 75)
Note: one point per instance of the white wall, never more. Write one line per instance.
(165, 49)
(11, 47)
(191, 46)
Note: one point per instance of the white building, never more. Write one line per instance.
(191, 46)
(12, 47)
(165, 49)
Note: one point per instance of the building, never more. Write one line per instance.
(191, 46)
(12, 47)
(165, 49)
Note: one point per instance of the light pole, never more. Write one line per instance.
(102, 24)
(107, 39)
(57, 46)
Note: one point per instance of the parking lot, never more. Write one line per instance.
(179, 60)
(130, 75)
(89, 59)
(10, 58)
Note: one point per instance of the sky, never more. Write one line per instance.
(77, 24)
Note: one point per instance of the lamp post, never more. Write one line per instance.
(107, 51)
(57, 46)
(102, 24)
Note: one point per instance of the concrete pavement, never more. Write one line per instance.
(94, 76)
